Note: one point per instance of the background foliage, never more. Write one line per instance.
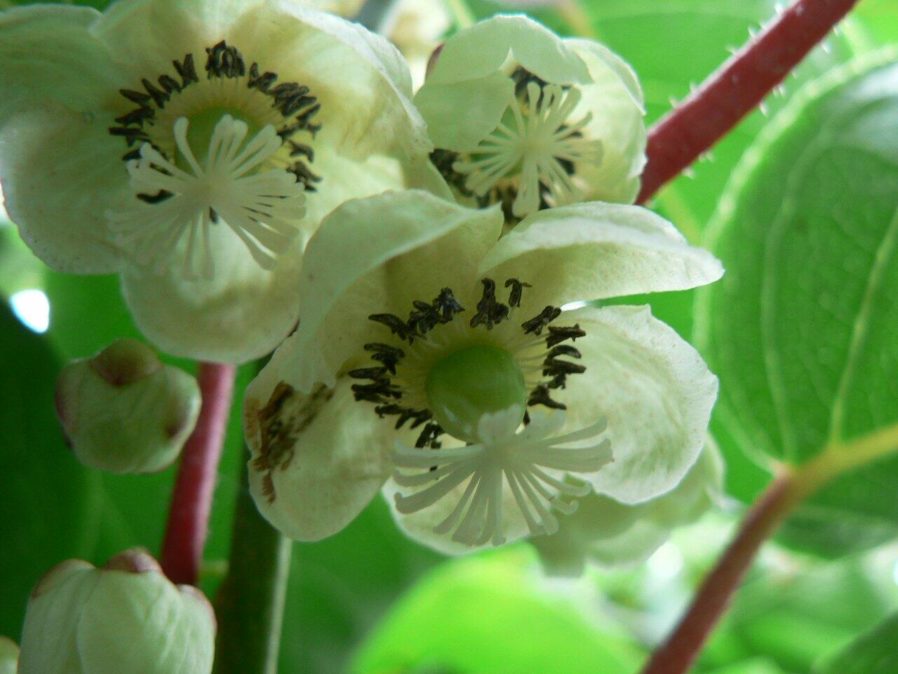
(800, 203)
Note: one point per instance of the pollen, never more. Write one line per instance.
(530, 160)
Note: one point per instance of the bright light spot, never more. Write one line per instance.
(32, 308)
(570, 306)
(667, 562)
(895, 573)
(4, 216)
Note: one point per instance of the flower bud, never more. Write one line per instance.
(124, 617)
(9, 656)
(124, 410)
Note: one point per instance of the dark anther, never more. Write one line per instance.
(376, 392)
(186, 69)
(390, 408)
(418, 417)
(423, 318)
(564, 350)
(301, 150)
(526, 417)
(261, 82)
(224, 61)
(536, 324)
(376, 373)
(135, 96)
(540, 396)
(386, 354)
(304, 175)
(522, 77)
(213, 216)
(554, 368)
(157, 198)
(397, 325)
(169, 83)
(517, 291)
(136, 116)
(561, 334)
(447, 305)
(159, 97)
(443, 161)
(429, 435)
(132, 154)
(130, 134)
(489, 310)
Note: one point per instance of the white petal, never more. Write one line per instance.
(653, 388)
(49, 54)
(61, 171)
(242, 313)
(484, 47)
(597, 250)
(339, 460)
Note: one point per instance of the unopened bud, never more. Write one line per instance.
(124, 617)
(9, 656)
(124, 410)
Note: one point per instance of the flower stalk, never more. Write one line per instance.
(735, 89)
(185, 533)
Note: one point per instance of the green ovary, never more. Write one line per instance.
(471, 382)
(202, 126)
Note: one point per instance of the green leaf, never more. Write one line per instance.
(871, 653)
(803, 329)
(45, 495)
(492, 613)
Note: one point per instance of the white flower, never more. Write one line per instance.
(193, 147)
(434, 361)
(524, 118)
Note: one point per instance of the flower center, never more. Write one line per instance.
(223, 146)
(530, 160)
(471, 382)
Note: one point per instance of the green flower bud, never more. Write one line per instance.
(9, 656)
(125, 411)
(124, 617)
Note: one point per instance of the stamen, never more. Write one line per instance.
(263, 209)
(526, 459)
(535, 146)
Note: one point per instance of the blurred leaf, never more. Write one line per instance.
(342, 586)
(792, 613)
(879, 19)
(871, 653)
(802, 329)
(492, 613)
(45, 495)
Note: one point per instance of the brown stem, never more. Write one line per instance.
(188, 518)
(735, 89)
(682, 647)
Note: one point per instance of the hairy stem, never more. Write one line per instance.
(740, 84)
(683, 645)
(188, 518)
(250, 602)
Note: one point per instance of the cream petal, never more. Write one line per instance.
(242, 313)
(359, 78)
(615, 102)
(49, 54)
(597, 250)
(144, 36)
(61, 171)
(331, 457)
(376, 255)
(461, 114)
(484, 47)
(653, 388)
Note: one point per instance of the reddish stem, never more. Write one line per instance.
(735, 89)
(188, 518)
(682, 647)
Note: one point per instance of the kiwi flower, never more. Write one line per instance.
(524, 118)
(436, 362)
(192, 147)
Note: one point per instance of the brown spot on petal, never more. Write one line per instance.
(285, 416)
